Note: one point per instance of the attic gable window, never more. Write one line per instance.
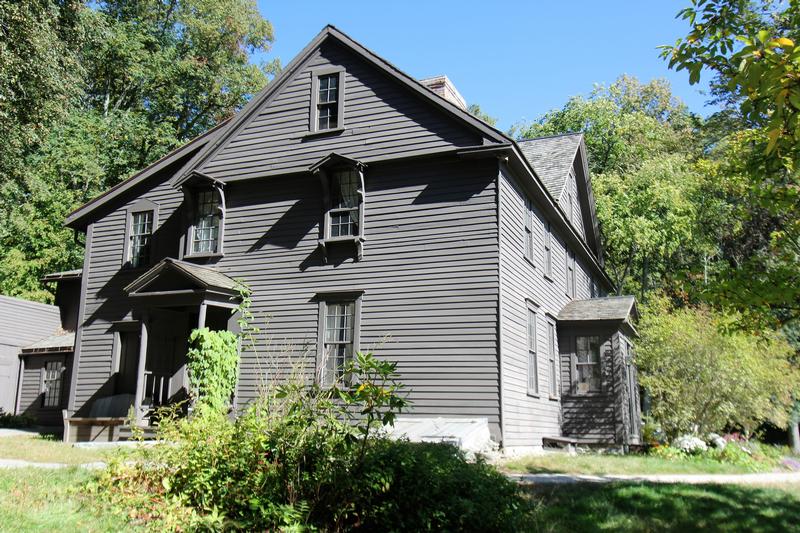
(327, 113)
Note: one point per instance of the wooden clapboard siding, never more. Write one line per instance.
(526, 419)
(429, 274)
(31, 394)
(22, 322)
(381, 118)
(572, 192)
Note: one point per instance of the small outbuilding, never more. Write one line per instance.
(601, 404)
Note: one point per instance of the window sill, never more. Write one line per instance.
(324, 133)
(335, 240)
(548, 278)
(529, 261)
(204, 256)
(584, 394)
(533, 395)
(555, 398)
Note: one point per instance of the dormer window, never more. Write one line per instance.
(204, 216)
(343, 199)
(207, 216)
(343, 216)
(327, 101)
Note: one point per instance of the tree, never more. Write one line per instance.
(703, 380)
(150, 75)
(475, 110)
(644, 157)
(749, 48)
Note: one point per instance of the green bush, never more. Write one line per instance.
(8, 420)
(305, 458)
(431, 487)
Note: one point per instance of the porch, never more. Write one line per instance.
(149, 364)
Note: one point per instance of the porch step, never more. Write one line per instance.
(147, 432)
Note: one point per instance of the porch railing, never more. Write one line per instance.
(156, 388)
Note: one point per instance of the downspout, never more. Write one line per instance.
(501, 418)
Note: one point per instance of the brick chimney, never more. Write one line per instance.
(442, 86)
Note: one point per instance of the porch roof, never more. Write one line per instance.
(61, 341)
(607, 309)
(200, 277)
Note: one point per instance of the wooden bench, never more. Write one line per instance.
(567, 443)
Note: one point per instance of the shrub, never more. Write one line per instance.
(431, 487)
(213, 364)
(8, 420)
(304, 457)
(701, 379)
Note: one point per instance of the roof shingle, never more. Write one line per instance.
(551, 158)
(608, 308)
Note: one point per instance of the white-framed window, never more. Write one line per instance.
(344, 215)
(327, 100)
(548, 249)
(569, 272)
(339, 332)
(552, 357)
(587, 364)
(533, 356)
(206, 233)
(528, 230)
(52, 383)
(140, 226)
(140, 238)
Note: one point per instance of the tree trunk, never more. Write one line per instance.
(794, 436)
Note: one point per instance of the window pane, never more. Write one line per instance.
(207, 220)
(531, 330)
(553, 355)
(338, 339)
(52, 384)
(328, 116)
(533, 362)
(587, 364)
(344, 215)
(141, 232)
(328, 88)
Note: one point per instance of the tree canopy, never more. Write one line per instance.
(91, 92)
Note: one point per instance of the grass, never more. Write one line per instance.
(622, 507)
(46, 449)
(39, 499)
(597, 464)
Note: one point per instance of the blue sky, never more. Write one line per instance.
(516, 59)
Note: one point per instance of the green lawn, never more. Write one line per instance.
(46, 449)
(39, 499)
(646, 507)
(597, 464)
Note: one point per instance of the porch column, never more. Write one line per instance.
(201, 315)
(137, 403)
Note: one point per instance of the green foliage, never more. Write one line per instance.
(750, 49)
(297, 459)
(475, 110)
(213, 364)
(10, 420)
(751, 455)
(92, 92)
(702, 379)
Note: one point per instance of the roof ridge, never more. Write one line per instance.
(555, 135)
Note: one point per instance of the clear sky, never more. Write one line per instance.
(516, 59)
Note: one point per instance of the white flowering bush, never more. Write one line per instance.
(690, 444)
(716, 441)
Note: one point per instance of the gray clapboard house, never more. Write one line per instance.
(367, 211)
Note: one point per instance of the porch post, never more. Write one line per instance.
(137, 404)
(201, 315)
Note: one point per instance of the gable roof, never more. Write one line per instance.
(61, 341)
(552, 158)
(330, 32)
(205, 278)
